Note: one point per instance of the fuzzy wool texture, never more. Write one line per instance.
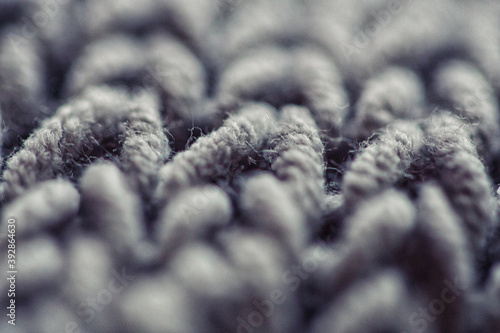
(251, 166)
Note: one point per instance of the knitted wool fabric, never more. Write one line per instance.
(250, 166)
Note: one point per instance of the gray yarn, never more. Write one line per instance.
(178, 79)
(382, 164)
(484, 50)
(209, 279)
(255, 24)
(413, 33)
(88, 272)
(105, 197)
(87, 268)
(378, 302)
(447, 254)
(144, 150)
(302, 75)
(214, 155)
(394, 94)
(189, 20)
(374, 235)
(47, 205)
(104, 61)
(74, 131)
(193, 214)
(412, 36)
(35, 162)
(164, 300)
(260, 276)
(464, 89)
(461, 174)
(263, 166)
(297, 160)
(440, 224)
(265, 196)
(493, 298)
(42, 260)
(22, 90)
